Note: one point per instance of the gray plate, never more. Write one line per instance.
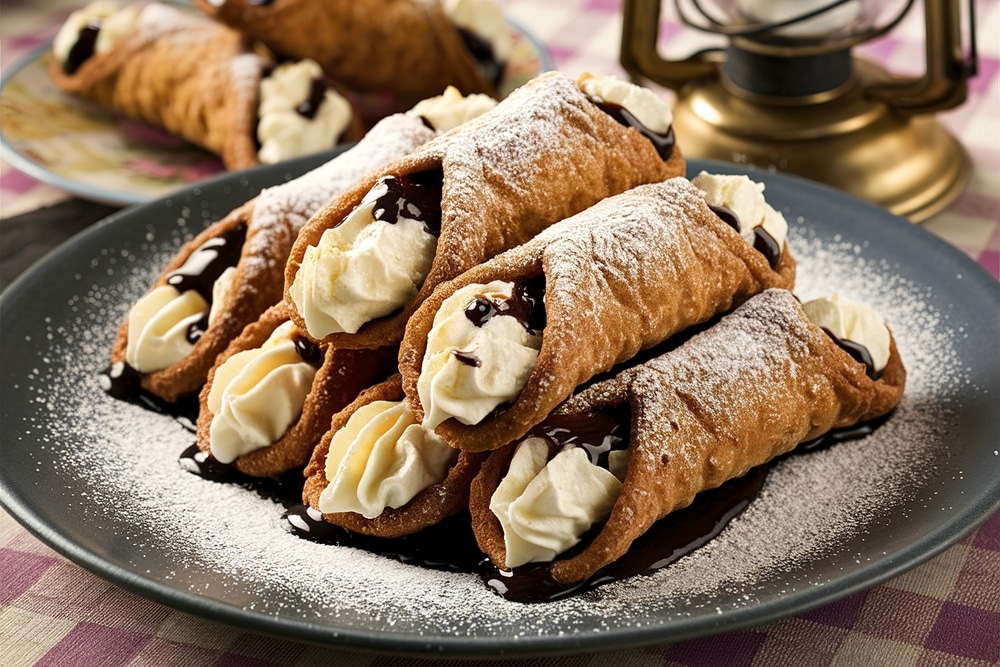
(62, 437)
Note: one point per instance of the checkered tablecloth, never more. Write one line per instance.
(945, 612)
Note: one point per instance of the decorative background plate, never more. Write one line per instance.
(87, 151)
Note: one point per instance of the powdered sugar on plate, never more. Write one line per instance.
(119, 464)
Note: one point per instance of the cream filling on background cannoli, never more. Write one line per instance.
(290, 121)
(382, 459)
(745, 198)
(362, 269)
(646, 106)
(469, 370)
(450, 109)
(257, 394)
(545, 505)
(483, 18)
(112, 25)
(852, 321)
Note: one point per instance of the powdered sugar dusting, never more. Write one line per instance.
(120, 463)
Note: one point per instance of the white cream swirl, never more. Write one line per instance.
(745, 198)
(544, 506)
(646, 106)
(451, 109)
(506, 352)
(852, 321)
(257, 394)
(158, 327)
(382, 459)
(284, 132)
(362, 269)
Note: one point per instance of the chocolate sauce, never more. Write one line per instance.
(727, 215)
(258, 3)
(203, 267)
(308, 350)
(858, 352)
(451, 544)
(765, 244)
(83, 49)
(667, 541)
(285, 488)
(482, 52)
(838, 435)
(122, 382)
(415, 196)
(448, 545)
(467, 358)
(664, 143)
(597, 433)
(526, 304)
(310, 107)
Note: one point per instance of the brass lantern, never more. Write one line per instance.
(786, 93)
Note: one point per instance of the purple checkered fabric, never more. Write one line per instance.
(945, 612)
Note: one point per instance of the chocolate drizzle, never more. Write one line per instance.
(664, 143)
(83, 48)
(414, 196)
(858, 352)
(763, 242)
(308, 350)
(482, 52)
(451, 545)
(597, 433)
(285, 488)
(310, 106)
(203, 267)
(526, 304)
(123, 382)
(467, 358)
(728, 216)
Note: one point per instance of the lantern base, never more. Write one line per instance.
(909, 165)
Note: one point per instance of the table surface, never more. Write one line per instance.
(945, 612)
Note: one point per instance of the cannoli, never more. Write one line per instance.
(201, 81)
(232, 272)
(746, 390)
(409, 48)
(363, 265)
(377, 472)
(492, 352)
(272, 393)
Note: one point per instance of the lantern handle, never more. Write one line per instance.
(947, 70)
(640, 57)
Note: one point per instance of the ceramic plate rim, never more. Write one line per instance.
(962, 522)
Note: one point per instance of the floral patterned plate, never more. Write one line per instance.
(89, 152)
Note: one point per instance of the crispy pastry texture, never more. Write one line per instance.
(343, 375)
(746, 390)
(406, 47)
(620, 277)
(543, 154)
(180, 72)
(273, 220)
(430, 506)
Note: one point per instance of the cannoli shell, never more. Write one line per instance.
(620, 277)
(273, 220)
(179, 72)
(541, 155)
(429, 507)
(342, 376)
(748, 389)
(405, 47)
